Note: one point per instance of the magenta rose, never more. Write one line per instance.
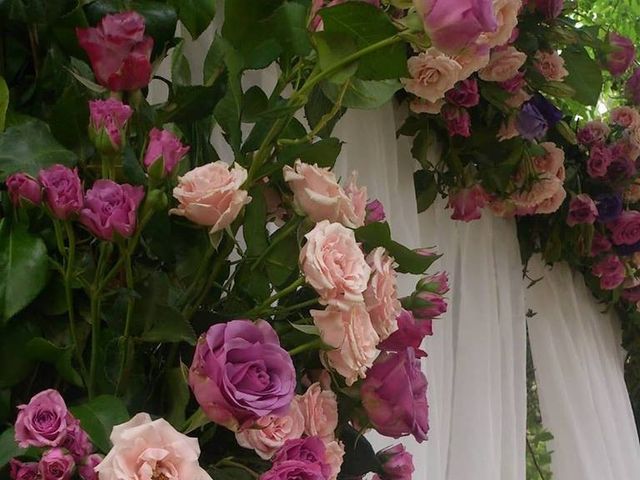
(626, 229)
(294, 470)
(23, 471)
(610, 271)
(593, 133)
(23, 187)
(467, 203)
(86, 470)
(375, 212)
(62, 190)
(622, 55)
(632, 88)
(582, 209)
(599, 160)
(550, 9)
(240, 373)
(457, 121)
(108, 120)
(310, 450)
(397, 464)
(410, 333)
(111, 208)
(514, 84)
(76, 441)
(43, 421)
(119, 51)
(56, 464)
(394, 395)
(452, 26)
(464, 94)
(166, 146)
(600, 244)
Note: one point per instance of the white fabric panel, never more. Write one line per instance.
(580, 374)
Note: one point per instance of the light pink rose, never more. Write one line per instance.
(148, 450)
(552, 204)
(334, 455)
(271, 432)
(210, 195)
(503, 65)
(317, 194)
(420, 105)
(334, 265)
(381, 296)
(432, 74)
(506, 12)
(518, 98)
(625, 117)
(552, 162)
(320, 410)
(353, 338)
(550, 65)
(546, 188)
(472, 59)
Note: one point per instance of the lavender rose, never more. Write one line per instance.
(548, 110)
(43, 421)
(397, 464)
(610, 271)
(375, 212)
(23, 471)
(76, 441)
(62, 190)
(56, 464)
(23, 187)
(600, 158)
(530, 122)
(240, 373)
(457, 121)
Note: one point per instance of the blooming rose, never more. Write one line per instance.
(506, 12)
(467, 203)
(610, 271)
(593, 132)
(210, 195)
(503, 65)
(626, 117)
(164, 145)
(240, 373)
(432, 74)
(43, 421)
(394, 395)
(599, 160)
(353, 338)
(632, 88)
(550, 9)
(453, 26)
(381, 296)
(56, 464)
(472, 59)
(310, 450)
(334, 455)
(553, 160)
(375, 212)
(317, 194)
(397, 463)
(457, 120)
(320, 411)
(334, 265)
(550, 65)
(111, 208)
(464, 94)
(119, 51)
(625, 229)
(582, 209)
(622, 56)
(87, 469)
(599, 244)
(271, 432)
(410, 333)
(23, 187)
(23, 471)
(552, 204)
(147, 449)
(294, 470)
(62, 190)
(108, 120)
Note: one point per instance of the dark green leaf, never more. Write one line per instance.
(8, 447)
(255, 220)
(132, 168)
(253, 283)
(317, 107)
(323, 153)
(359, 456)
(160, 22)
(282, 261)
(60, 357)
(4, 102)
(231, 474)
(178, 395)
(13, 342)
(289, 25)
(426, 189)
(196, 15)
(180, 69)
(99, 416)
(585, 75)
(363, 94)
(255, 102)
(192, 103)
(169, 326)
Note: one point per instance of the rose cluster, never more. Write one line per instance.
(46, 423)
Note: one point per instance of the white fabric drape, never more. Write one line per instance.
(580, 375)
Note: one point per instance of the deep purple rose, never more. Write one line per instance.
(600, 158)
(550, 9)
(548, 110)
(394, 395)
(464, 94)
(76, 441)
(43, 421)
(294, 470)
(622, 55)
(56, 464)
(582, 209)
(62, 190)
(632, 89)
(375, 212)
(410, 333)
(23, 187)
(165, 146)
(108, 120)
(111, 208)
(240, 373)
(86, 470)
(625, 230)
(397, 464)
(457, 120)
(308, 450)
(530, 123)
(609, 206)
(610, 271)
(23, 471)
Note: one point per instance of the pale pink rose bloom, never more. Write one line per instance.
(626, 117)
(316, 193)
(472, 59)
(145, 449)
(210, 195)
(632, 193)
(551, 66)
(334, 455)
(320, 410)
(420, 105)
(552, 204)
(508, 129)
(503, 65)
(381, 296)
(432, 74)
(271, 432)
(507, 17)
(353, 338)
(517, 99)
(542, 190)
(334, 265)
(551, 163)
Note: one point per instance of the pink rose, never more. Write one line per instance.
(503, 65)
(428, 305)
(320, 411)
(381, 296)
(552, 162)
(353, 338)
(334, 265)
(432, 74)
(457, 120)
(626, 229)
(317, 194)
(270, 433)
(76, 441)
(551, 66)
(552, 204)
(210, 195)
(507, 18)
(165, 146)
(518, 99)
(56, 464)
(420, 105)
(410, 333)
(397, 463)
(87, 469)
(43, 422)
(467, 203)
(600, 244)
(626, 117)
(62, 190)
(546, 191)
(119, 51)
(108, 121)
(610, 271)
(375, 212)
(514, 84)
(23, 187)
(334, 455)
(599, 160)
(594, 132)
(148, 449)
(453, 26)
(582, 210)
(464, 94)
(472, 59)
(622, 56)
(23, 471)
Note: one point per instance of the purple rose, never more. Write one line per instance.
(609, 207)
(548, 110)
(600, 158)
(530, 123)
(610, 271)
(632, 88)
(111, 208)
(76, 440)
(309, 450)
(622, 55)
(165, 146)
(23, 187)
(394, 395)
(375, 212)
(56, 464)
(599, 244)
(464, 94)
(108, 120)
(625, 230)
(582, 209)
(86, 470)
(43, 421)
(410, 333)
(550, 9)
(62, 190)
(240, 373)
(294, 470)
(397, 464)
(23, 471)
(457, 120)
(514, 84)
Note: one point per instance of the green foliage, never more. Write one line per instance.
(97, 418)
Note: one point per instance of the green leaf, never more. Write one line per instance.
(60, 357)
(359, 456)
(289, 25)
(323, 153)
(255, 220)
(29, 147)
(180, 69)
(170, 326)
(192, 103)
(255, 102)
(253, 283)
(13, 341)
(160, 22)
(282, 261)
(179, 395)
(363, 94)
(316, 108)
(196, 15)
(99, 416)
(585, 75)
(4, 102)
(24, 268)
(8, 447)
(426, 189)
